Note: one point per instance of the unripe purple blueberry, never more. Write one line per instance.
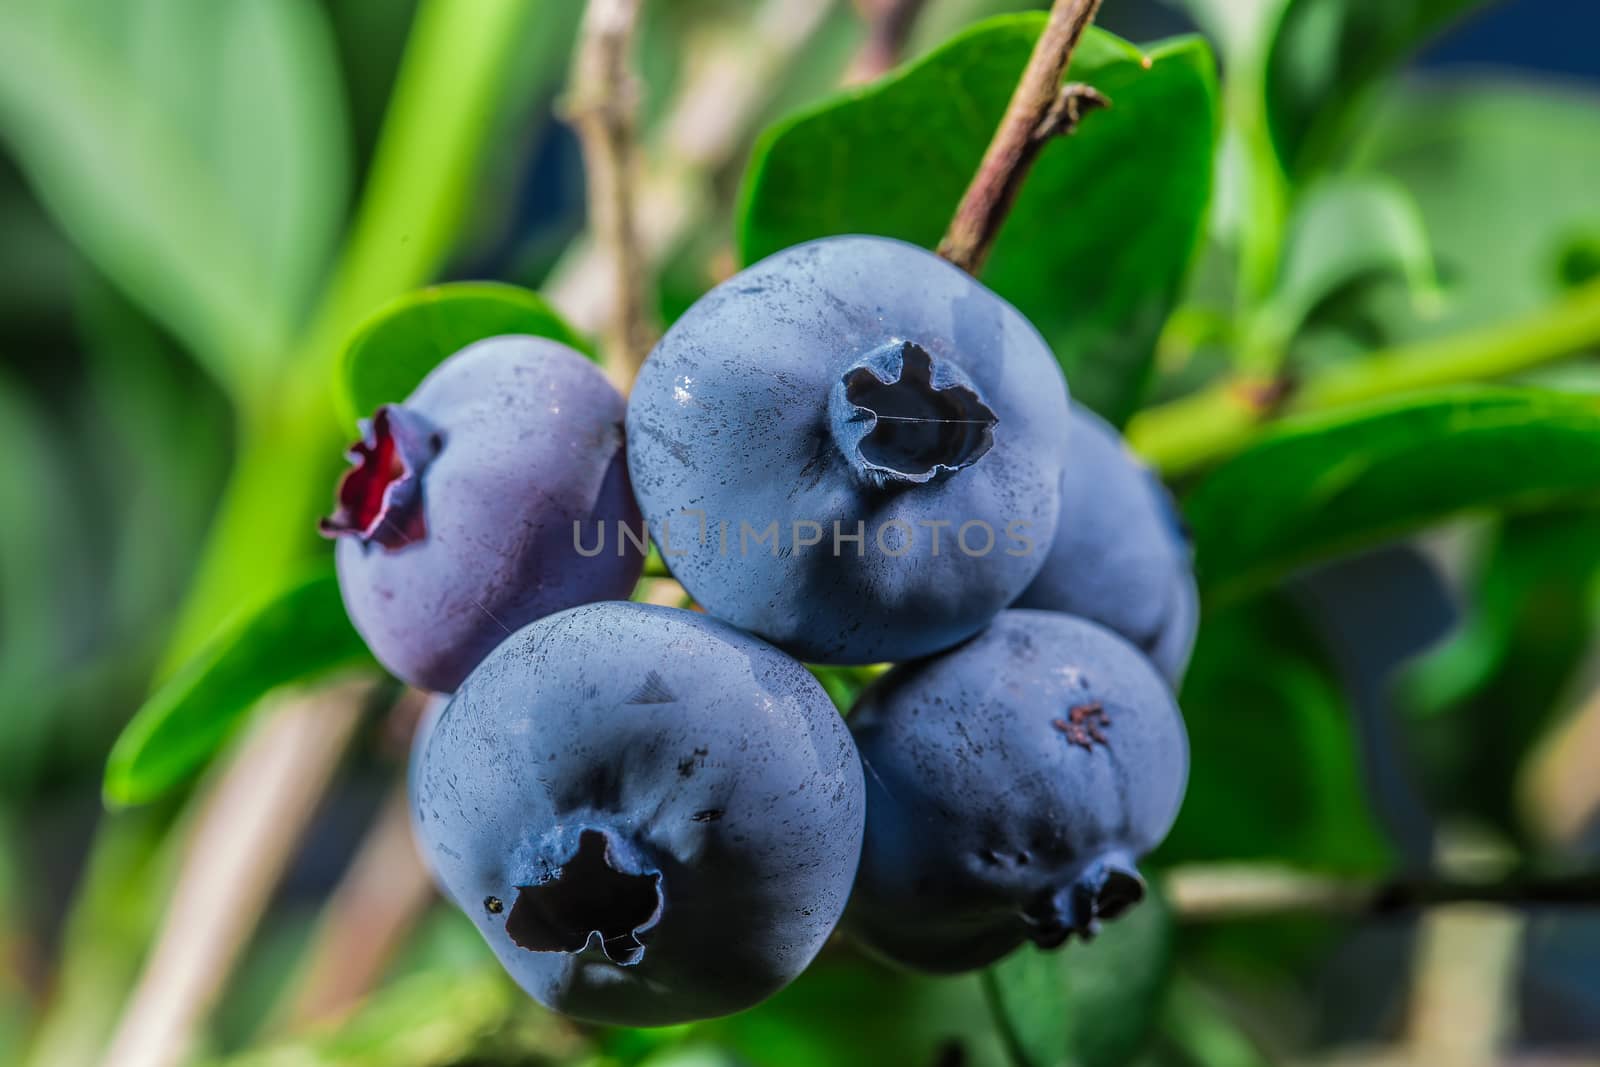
(456, 524)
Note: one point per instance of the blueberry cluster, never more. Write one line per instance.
(849, 453)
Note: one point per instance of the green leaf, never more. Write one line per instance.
(300, 635)
(1321, 485)
(1347, 229)
(1325, 59)
(1100, 237)
(1501, 173)
(399, 345)
(1260, 697)
(1090, 1005)
(195, 153)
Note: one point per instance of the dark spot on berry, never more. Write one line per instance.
(493, 905)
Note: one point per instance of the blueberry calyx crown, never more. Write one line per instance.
(601, 898)
(902, 418)
(380, 497)
(1107, 887)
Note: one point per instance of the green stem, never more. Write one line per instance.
(1197, 430)
(1016, 1051)
(1266, 190)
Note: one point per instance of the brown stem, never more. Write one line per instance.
(727, 85)
(603, 108)
(376, 904)
(241, 843)
(1463, 986)
(1041, 108)
(889, 24)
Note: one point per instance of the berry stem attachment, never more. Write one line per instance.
(602, 106)
(1041, 109)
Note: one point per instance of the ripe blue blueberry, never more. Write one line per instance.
(456, 524)
(1012, 783)
(651, 817)
(852, 449)
(1123, 559)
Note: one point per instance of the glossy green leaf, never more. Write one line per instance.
(1501, 173)
(1274, 768)
(1100, 237)
(194, 151)
(298, 636)
(1086, 1005)
(1321, 485)
(399, 345)
(1326, 57)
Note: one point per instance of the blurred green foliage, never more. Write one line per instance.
(202, 203)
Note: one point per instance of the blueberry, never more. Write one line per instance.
(456, 524)
(1124, 558)
(1011, 785)
(651, 816)
(852, 449)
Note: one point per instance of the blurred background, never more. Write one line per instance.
(1431, 705)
